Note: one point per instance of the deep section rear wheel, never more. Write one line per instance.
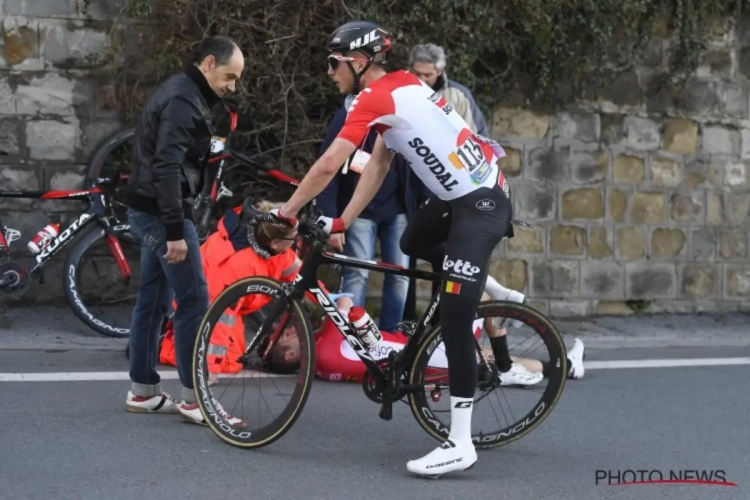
(94, 284)
(112, 157)
(533, 341)
(225, 395)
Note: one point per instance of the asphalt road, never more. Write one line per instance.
(75, 441)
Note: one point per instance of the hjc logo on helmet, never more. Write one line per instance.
(364, 40)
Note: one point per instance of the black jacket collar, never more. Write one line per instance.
(197, 77)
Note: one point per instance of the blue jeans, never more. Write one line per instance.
(360, 243)
(158, 280)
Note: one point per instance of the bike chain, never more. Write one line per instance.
(369, 384)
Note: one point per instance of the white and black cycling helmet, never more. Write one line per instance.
(366, 37)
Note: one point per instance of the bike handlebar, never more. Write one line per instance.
(307, 225)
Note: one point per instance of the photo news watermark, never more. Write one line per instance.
(627, 477)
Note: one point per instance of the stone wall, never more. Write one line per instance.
(53, 110)
(641, 197)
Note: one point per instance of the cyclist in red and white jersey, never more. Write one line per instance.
(469, 216)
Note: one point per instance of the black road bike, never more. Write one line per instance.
(406, 374)
(86, 231)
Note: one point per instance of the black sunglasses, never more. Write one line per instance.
(335, 61)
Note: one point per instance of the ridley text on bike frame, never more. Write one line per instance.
(307, 281)
(96, 212)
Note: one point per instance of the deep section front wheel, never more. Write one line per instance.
(232, 359)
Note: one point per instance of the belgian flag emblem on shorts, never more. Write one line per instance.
(452, 287)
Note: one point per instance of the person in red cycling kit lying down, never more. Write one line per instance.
(228, 256)
(336, 361)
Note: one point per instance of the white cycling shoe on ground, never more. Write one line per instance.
(450, 456)
(576, 355)
(520, 375)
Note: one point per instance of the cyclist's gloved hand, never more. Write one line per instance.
(292, 221)
(331, 226)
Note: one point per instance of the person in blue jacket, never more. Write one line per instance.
(385, 218)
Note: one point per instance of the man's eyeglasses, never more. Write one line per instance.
(335, 60)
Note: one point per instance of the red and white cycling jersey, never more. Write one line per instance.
(336, 361)
(418, 123)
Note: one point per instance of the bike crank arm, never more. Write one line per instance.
(393, 389)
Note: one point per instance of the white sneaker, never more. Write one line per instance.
(162, 403)
(449, 457)
(575, 358)
(191, 413)
(520, 375)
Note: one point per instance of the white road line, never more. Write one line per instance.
(172, 375)
(106, 376)
(664, 363)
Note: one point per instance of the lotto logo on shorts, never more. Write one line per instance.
(453, 287)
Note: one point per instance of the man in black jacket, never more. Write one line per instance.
(171, 145)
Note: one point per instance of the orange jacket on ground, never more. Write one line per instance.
(228, 257)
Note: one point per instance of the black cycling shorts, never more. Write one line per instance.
(460, 235)
(463, 233)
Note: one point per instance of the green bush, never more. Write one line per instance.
(523, 52)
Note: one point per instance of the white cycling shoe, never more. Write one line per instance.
(520, 375)
(450, 456)
(576, 355)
